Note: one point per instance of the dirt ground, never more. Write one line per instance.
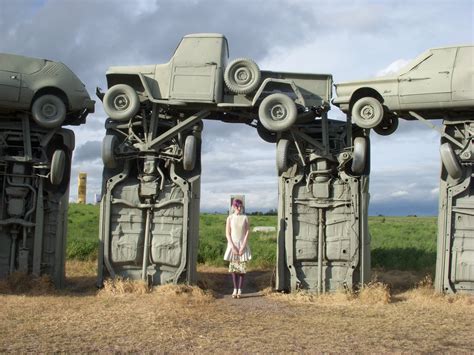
(125, 317)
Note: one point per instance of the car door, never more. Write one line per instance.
(463, 75)
(10, 83)
(429, 82)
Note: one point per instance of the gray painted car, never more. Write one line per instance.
(437, 84)
(50, 90)
(198, 77)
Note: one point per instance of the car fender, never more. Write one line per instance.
(299, 98)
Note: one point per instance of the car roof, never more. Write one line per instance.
(458, 46)
(20, 64)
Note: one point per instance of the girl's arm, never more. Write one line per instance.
(247, 232)
(228, 236)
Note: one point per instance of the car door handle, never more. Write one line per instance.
(444, 72)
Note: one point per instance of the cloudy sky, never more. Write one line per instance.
(349, 39)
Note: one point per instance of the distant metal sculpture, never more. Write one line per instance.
(82, 188)
(37, 96)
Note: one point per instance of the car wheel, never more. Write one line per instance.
(48, 111)
(109, 143)
(242, 76)
(387, 126)
(450, 161)
(277, 112)
(121, 102)
(265, 134)
(283, 146)
(58, 165)
(359, 156)
(367, 112)
(189, 154)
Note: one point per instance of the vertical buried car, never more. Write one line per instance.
(455, 254)
(151, 151)
(323, 238)
(37, 97)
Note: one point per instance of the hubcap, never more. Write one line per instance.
(121, 102)
(242, 76)
(278, 112)
(367, 112)
(49, 110)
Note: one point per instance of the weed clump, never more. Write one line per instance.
(120, 286)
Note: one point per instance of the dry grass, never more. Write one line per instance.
(120, 287)
(375, 293)
(188, 319)
(21, 283)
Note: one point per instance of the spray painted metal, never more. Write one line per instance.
(35, 166)
(323, 239)
(151, 152)
(37, 97)
(82, 188)
(455, 254)
(150, 198)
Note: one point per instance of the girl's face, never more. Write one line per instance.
(238, 209)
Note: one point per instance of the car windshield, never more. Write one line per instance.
(414, 63)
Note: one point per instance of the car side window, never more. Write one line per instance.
(439, 59)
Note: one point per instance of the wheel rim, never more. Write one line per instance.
(242, 76)
(49, 110)
(121, 102)
(278, 112)
(367, 112)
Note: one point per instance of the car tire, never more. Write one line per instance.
(58, 167)
(48, 111)
(450, 161)
(109, 143)
(367, 112)
(189, 154)
(359, 155)
(265, 134)
(121, 102)
(388, 126)
(242, 76)
(283, 146)
(277, 112)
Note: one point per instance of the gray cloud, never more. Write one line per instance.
(89, 151)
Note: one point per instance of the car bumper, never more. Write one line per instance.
(342, 103)
(89, 105)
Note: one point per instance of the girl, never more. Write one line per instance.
(238, 251)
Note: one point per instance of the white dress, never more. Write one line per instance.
(238, 225)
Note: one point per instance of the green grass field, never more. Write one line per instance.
(403, 243)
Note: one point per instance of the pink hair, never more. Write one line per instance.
(236, 203)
